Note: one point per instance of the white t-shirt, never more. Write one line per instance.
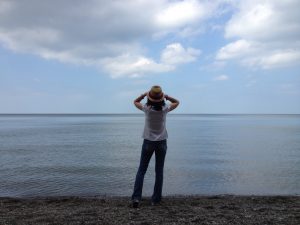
(155, 123)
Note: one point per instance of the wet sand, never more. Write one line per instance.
(219, 209)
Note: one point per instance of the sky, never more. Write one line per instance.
(97, 56)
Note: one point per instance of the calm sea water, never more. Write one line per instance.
(58, 155)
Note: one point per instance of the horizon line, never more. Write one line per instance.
(141, 114)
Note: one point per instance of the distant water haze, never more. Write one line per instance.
(87, 155)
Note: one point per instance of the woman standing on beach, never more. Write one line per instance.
(155, 140)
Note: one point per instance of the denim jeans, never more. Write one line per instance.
(160, 149)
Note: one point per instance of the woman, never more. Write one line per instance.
(155, 140)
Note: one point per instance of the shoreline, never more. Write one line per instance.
(177, 209)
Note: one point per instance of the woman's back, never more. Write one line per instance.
(155, 123)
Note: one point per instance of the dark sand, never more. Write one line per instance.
(220, 209)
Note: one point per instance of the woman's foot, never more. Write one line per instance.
(135, 203)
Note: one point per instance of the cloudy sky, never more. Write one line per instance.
(96, 56)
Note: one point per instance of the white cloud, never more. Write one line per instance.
(136, 65)
(175, 54)
(268, 34)
(180, 13)
(221, 78)
(281, 58)
(265, 20)
(93, 32)
(235, 49)
(133, 66)
(251, 22)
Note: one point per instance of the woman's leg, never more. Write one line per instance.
(147, 151)
(160, 153)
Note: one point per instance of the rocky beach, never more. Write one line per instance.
(217, 209)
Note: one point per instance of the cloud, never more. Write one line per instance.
(281, 58)
(265, 20)
(175, 54)
(221, 78)
(235, 50)
(180, 13)
(136, 65)
(93, 32)
(5, 6)
(266, 32)
(133, 66)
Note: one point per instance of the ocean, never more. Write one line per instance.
(88, 155)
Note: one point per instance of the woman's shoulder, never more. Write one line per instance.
(146, 107)
(166, 107)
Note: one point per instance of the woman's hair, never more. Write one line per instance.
(156, 105)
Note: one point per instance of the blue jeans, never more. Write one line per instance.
(160, 149)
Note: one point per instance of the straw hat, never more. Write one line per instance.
(155, 94)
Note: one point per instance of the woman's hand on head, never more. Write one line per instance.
(137, 102)
(174, 102)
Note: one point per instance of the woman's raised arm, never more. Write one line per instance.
(137, 101)
(174, 102)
